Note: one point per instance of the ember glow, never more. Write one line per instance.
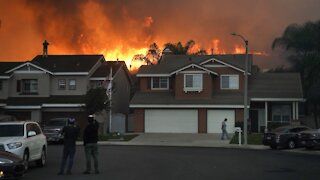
(122, 29)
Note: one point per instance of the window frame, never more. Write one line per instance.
(229, 88)
(32, 83)
(160, 88)
(187, 89)
(60, 84)
(72, 87)
(283, 113)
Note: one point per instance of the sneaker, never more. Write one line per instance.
(86, 172)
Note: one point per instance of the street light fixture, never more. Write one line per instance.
(245, 113)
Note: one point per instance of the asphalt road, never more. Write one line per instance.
(175, 163)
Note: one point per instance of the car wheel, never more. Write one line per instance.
(291, 144)
(26, 160)
(42, 161)
(273, 147)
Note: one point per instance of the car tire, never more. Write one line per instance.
(43, 159)
(291, 144)
(273, 147)
(26, 159)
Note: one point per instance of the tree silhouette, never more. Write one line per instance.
(302, 43)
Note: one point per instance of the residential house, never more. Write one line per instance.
(51, 86)
(194, 94)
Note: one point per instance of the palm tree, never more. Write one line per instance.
(302, 42)
(178, 48)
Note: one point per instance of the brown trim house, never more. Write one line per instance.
(194, 94)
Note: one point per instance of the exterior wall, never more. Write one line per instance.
(4, 92)
(82, 84)
(239, 115)
(206, 92)
(202, 120)
(121, 95)
(223, 71)
(138, 118)
(43, 84)
(144, 87)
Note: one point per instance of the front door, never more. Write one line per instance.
(254, 120)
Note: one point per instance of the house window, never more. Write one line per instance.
(160, 83)
(29, 86)
(229, 82)
(193, 82)
(281, 113)
(61, 84)
(72, 84)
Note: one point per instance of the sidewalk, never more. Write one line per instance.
(184, 140)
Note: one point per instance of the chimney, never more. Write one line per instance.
(45, 48)
(211, 51)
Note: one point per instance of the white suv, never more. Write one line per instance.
(25, 139)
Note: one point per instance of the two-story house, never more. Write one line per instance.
(51, 86)
(194, 94)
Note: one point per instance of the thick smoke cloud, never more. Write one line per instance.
(93, 26)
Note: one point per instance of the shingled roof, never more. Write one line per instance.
(67, 63)
(5, 66)
(171, 63)
(275, 85)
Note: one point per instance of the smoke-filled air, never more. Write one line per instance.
(120, 29)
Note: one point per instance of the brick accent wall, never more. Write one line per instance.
(202, 120)
(138, 119)
(239, 115)
(206, 92)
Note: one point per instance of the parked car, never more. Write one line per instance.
(25, 139)
(311, 138)
(11, 165)
(53, 129)
(285, 136)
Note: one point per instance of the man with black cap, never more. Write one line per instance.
(90, 139)
(71, 133)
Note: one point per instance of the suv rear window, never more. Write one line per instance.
(11, 130)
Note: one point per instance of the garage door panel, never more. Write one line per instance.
(215, 118)
(171, 121)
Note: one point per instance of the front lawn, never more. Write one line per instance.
(253, 138)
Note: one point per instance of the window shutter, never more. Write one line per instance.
(18, 85)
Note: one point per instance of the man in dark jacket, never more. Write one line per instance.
(71, 133)
(90, 139)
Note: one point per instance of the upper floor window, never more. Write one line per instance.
(229, 82)
(160, 83)
(72, 84)
(193, 82)
(61, 84)
(29, 86)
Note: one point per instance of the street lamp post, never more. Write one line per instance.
(245, 113)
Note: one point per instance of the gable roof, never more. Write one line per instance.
(67, 63)
(171, 63)
(6, 66)
(273, 86)
(28, 64)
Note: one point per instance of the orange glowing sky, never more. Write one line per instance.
(120, 29)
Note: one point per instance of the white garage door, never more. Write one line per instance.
(171, 121)
(215, 118)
